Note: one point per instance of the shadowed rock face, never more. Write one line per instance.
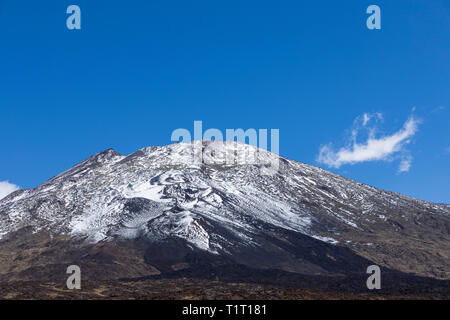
(157, 212)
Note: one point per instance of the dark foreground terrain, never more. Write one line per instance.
(189, 289)
(235, 283)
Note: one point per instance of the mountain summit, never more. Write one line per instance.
(159, 210)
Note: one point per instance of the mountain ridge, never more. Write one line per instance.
(115, 152)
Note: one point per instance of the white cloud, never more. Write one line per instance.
(6, 188)
(373, 149)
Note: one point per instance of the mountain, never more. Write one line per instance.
(159, 212)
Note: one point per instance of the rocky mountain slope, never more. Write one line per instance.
(159, 210)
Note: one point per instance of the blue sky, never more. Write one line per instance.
(137, 70)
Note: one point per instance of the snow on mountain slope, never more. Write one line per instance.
(91, 199)
(162, 192)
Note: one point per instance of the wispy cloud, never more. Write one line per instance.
(381, 148)
(405, 164)
(366, 117)
(437, 109)
(6, 188)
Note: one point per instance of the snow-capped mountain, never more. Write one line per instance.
(227, 206)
